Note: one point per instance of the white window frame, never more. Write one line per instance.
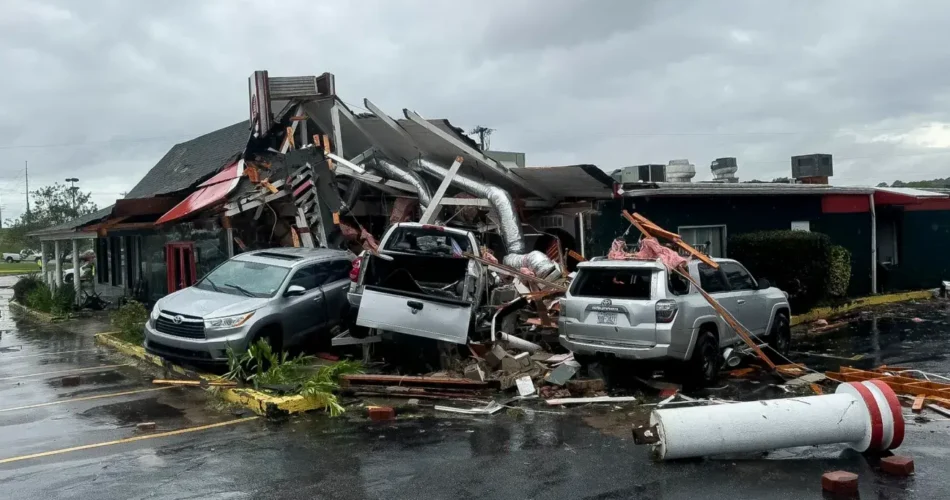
(725, 235)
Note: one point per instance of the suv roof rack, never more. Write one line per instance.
(277, 255)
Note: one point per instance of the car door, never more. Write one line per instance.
(305, 313)
(335, 288)
(750, 305)
(714, 283)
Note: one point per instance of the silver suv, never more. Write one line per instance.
(285, 295)
(639, 310)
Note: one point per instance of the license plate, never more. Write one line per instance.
(606, 318)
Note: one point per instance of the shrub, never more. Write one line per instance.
(839, 275)
(40, 298)
(24, 285)
(804, 264)
(130, 320)
(63, 300)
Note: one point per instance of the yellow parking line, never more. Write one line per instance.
(45, 354)
(87, 398)
(74, 370)
(126, 440)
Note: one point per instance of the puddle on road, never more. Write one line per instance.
(133, 412)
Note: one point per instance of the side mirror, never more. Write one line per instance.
(764, 284)
(294, 291)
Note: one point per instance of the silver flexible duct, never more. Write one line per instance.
(509, 224)
(394, 172)
(500, 200)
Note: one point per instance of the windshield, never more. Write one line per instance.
(427, 240)
(239, 277)
(613, 283)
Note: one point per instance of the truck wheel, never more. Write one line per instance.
(703, 367)
(780, 337)
(9, 260)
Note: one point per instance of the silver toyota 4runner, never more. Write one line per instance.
(638, 310)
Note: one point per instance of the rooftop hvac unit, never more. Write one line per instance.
(643, 173)
(680, 171)
(813, 165)
(724, 169)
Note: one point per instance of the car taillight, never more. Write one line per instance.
(355, 270)
(665, 311)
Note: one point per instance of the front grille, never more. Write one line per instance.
(192, 327)
(175, 352)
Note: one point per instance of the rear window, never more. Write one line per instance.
(616, 283)
(426, 240)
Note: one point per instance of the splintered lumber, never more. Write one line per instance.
(918, 405)
(196, 383)
(650, 229)
(910, 386)
(514, 272)
(595, 399)
(417, 381)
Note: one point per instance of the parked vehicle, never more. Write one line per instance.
(419, 284)
(285, 295)
(638, 310)
(10, 257)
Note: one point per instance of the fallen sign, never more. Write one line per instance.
(866, 416)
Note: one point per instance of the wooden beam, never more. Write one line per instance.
(346, 163)
(391, 123)
(478, 156)
(514, 272)
(289, 139)
(360, 158)
(918, 405)
(433, 209)
(636, 220)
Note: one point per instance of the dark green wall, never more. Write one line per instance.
(741, 214)
(923, 251)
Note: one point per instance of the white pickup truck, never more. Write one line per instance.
(420, 284)
(28, 255)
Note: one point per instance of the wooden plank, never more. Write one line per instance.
(368, 379)
(199, 383)
(918, 405)
(428, 217)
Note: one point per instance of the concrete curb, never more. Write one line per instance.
(256, 401)
(874, 300)
(40, 315)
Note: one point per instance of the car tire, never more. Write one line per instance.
(9, 260)
(68, 278)
(703, 366)
(779, 338)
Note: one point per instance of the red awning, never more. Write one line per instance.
(210, 192)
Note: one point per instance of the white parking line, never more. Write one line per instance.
(86, 398)
(66, 372)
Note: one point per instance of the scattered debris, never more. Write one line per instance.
(584, 387)
(563, 373)
(381, 413)
(489, 409)
(918, 405)
(840, 482)
(525, 386)
(474, 372)
(807, 379)
(146, 426)
(596, 399)
(897, 465)
(196, 383)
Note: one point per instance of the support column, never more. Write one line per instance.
(873, 247)
(43, 262)
(77, 275)
(57, 264)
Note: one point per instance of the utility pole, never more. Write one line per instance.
(26, 172)
(72, 189)
(484, 136)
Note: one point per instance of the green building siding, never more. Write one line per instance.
(741, 214)
(923, 250)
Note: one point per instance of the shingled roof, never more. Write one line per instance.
(187, 163)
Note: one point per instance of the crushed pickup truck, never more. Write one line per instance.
(420, 283)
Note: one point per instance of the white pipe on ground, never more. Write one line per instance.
(865, 416)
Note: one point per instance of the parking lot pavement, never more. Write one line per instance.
(76, 447)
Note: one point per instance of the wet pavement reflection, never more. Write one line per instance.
(576, 453)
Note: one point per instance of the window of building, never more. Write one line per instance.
(115, 260)
(102, 260)
(711, 279)
(708, 239)
(737, 276)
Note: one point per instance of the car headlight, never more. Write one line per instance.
(155, 311)
(227, 321)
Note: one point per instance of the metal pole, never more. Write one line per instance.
(580, 233)
(873, 246)
(26, 171)
(77, 275)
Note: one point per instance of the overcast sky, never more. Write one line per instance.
(100, 90)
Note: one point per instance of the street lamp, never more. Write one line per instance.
(72, 189)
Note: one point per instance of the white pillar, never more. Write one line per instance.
(43, 262)
(57, 264)
(863, 415)
(77, 275)
(873, 247)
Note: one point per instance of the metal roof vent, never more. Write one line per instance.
(680, 171)
(724, 170)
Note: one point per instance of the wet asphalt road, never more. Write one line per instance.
(584, 453)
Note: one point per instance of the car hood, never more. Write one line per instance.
(193, 301)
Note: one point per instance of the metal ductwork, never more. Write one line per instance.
(394, 172)
(509, 223)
